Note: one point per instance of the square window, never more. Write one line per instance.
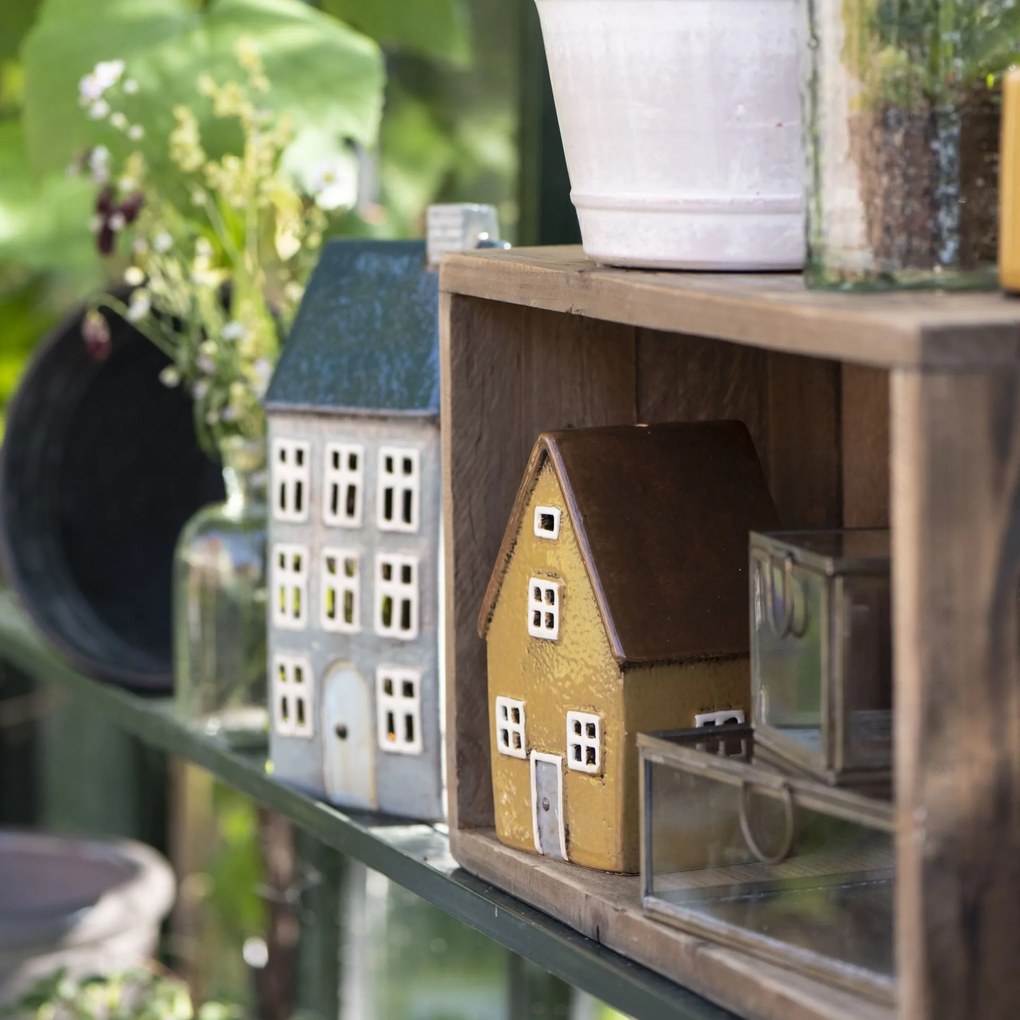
(544, 609)
(343, 485)
(290, 587)
(510, 721)
(399, 492)
(289, 465)
(547, 522)
(584, 739)
(398, 709)
(292, 696)
(340, 608)
(396, 596)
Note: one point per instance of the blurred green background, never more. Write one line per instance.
(467, 116)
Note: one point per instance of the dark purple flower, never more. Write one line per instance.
(112, 216)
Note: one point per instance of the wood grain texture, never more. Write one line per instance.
(508, 373)
(692, 378)
(762, 309)
(803, 453)
(607, 908)
(956, 528)
(865, 446)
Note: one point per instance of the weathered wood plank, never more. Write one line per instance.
(508, 373)
(768, 310)
(803, 453)
(956, 528)
(608, 909)
(691, 378)
(865, 447)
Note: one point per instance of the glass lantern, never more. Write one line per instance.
(902, 105)
(821, 651)
(781, 866)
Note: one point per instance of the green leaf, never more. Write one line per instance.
(436, 28)
(16, 17)
(320, 71)
(44, 225)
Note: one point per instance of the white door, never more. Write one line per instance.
(348, 736)
(547, 804)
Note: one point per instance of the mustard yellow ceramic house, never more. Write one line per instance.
(618, 604)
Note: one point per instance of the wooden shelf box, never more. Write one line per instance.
(841, 394)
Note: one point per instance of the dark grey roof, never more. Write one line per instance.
(366, 335)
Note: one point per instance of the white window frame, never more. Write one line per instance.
(507, 727)
(400, 591)
(584, 734)
(401, 705)
(290, 583)
(402, 484)
(340, 478)
(293, 696)
(550, 534)
(728, 716)
(339, 584)
(548, 625)
(291, 468)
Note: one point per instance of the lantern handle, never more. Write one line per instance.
(746, 787)
(780, 629)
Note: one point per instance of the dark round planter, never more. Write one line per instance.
(98, 474)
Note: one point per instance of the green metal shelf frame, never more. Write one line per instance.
(414, 855)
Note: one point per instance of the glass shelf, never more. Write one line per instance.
(414, 855)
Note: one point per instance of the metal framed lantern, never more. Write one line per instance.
(821, 652)
(782, 866)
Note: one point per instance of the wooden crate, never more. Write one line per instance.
(535, 339)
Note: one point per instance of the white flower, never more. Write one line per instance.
(169, 377)
(162, 242)
(118, 120)
(136, 132)
(141, 305)
(103, 76)
(263, 371)
(130, 86)
(228, 414)
(116, 222)
(133, 276)
(334, 184)
(234, 330)
(99, 109)
(206, 364)
(140, 245)
(107, 73)
(99, 164)
(203, 249)
(200, 389)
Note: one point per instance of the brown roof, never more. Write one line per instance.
(662, 515)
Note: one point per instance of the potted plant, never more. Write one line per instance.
(214, 228)
(903, 104)
(681, 129)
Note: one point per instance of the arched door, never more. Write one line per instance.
(348, 738)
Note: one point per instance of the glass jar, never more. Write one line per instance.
(220, 605)
(902, 104)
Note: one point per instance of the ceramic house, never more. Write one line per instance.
(353, 412)
(617, 604)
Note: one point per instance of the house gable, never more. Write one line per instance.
(662, 514)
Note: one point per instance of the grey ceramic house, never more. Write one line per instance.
(354, 522)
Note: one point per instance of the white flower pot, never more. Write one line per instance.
(681, 128)
(88, 906)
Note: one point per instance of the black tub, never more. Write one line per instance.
(98, 473)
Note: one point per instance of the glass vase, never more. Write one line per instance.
(220, 605)
(902, 106)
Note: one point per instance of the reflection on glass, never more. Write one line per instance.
(784, 867)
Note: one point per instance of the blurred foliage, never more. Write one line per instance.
(128, 995)
(447, 131)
